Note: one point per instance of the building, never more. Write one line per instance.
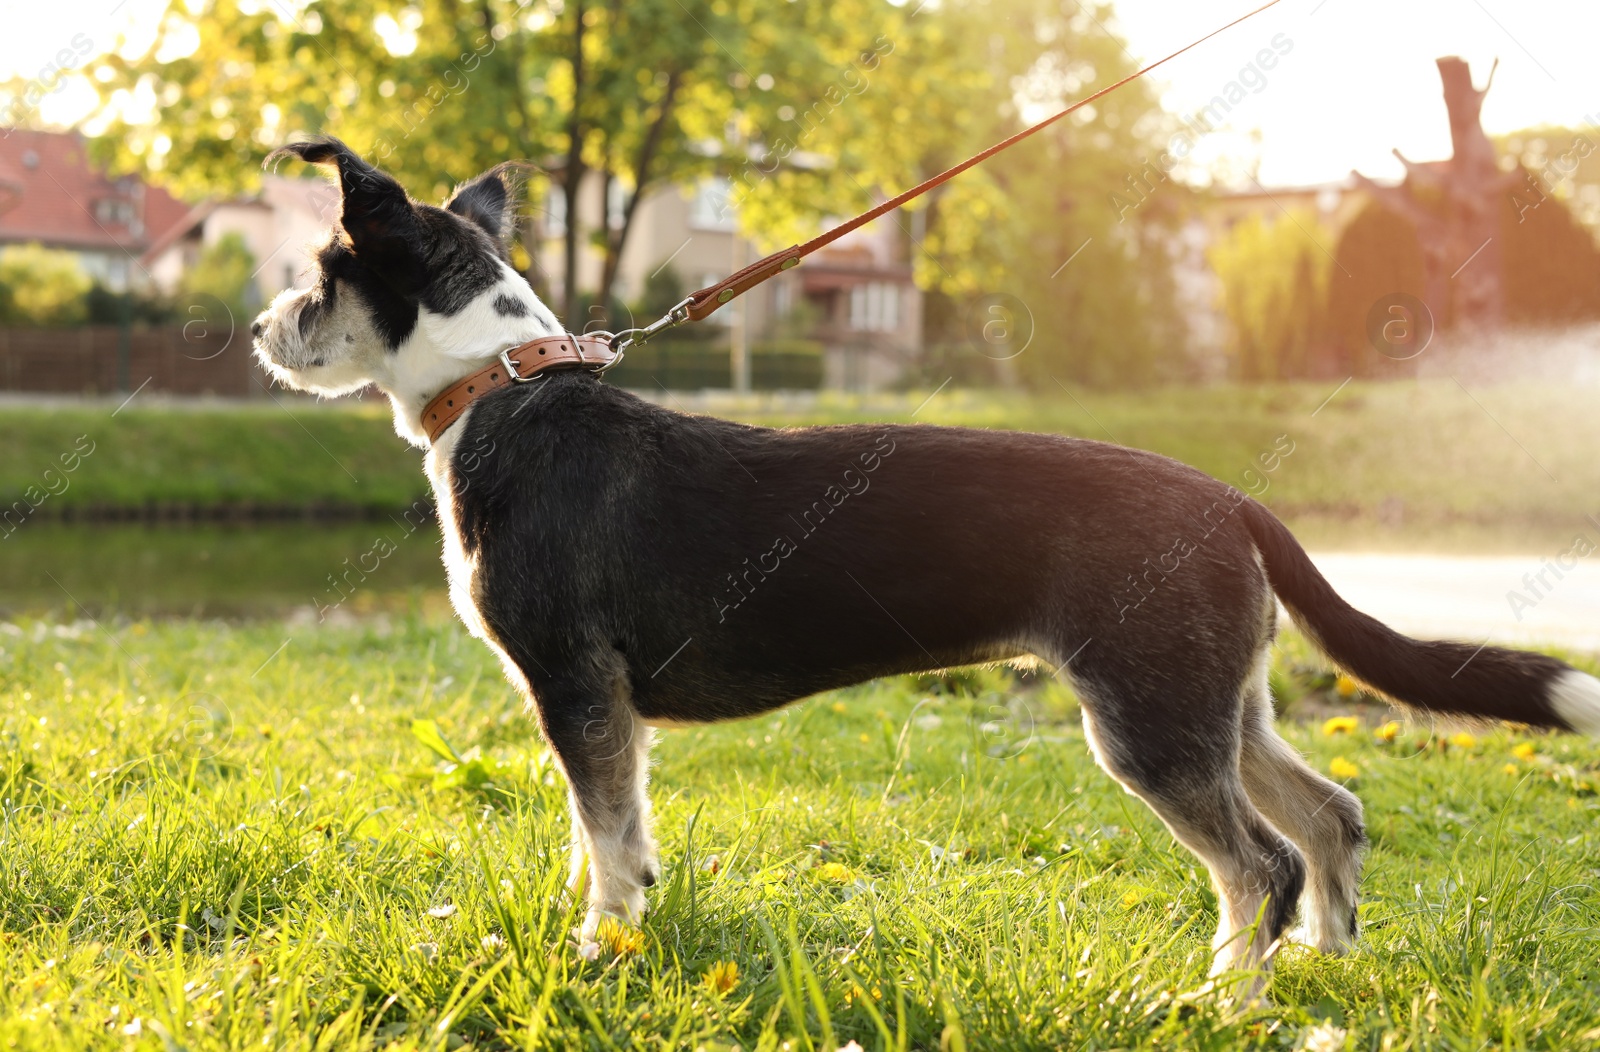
(279, 225)
(52, 193)
(856, 297)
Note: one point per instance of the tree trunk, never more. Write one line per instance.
(572, 178)
(616, 242)
(1455, 208)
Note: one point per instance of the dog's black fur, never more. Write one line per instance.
(638, 566)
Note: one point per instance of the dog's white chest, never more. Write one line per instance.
(459, 566)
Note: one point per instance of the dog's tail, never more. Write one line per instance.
(1456, 678)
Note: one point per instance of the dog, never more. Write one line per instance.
(635, 567)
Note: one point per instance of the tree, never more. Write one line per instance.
(438, 90)
(811, 109)
(42, 286)
(971, 72)
(1274, 284)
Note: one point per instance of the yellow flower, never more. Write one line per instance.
(1388, 732)
(839, 706)
(1524, 751)
(1132, 899)
(1339, 767)
(835, 871)
(1510, 768)
(722, 976)
(1340, 725)
(1346, 687)
(1464, 740)
(618, 937)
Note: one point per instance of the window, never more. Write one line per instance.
(875, 307)
(114, 210)
(713, 207)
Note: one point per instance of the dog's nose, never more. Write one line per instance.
(256, 328)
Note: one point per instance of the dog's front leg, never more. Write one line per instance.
(604, 751)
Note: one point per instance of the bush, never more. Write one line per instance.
(225, 271)
(693, 365)
(42, 286)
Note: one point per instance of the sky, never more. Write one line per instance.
(1357, 79)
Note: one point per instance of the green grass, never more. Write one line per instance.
(1411, 463)
(214, 840)
(297, 454)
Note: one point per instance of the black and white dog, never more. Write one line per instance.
(636, 567)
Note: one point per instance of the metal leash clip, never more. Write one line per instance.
(620, 342)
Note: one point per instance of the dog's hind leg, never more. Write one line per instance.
(1181, 756)
(603, 748)
(1322, 818)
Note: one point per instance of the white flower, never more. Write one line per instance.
(135, 1028)
(428, 950)
(441, 912)
(589, 951)
(493, 941)
(1324, 1037)
(853, 1046)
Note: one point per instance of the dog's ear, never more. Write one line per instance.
(377, 217)
(490, 200)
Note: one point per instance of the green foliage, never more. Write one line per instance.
(815, 107)
(1274, 285)
(101, 306)
(952, 79)
(207, 845)
(42, 286)
(1378, 255)
(1559, 163)
(1551, 260)
(224, 271)
(683, 364)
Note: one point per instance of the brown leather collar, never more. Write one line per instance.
(517, 365)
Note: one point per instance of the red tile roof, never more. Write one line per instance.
(51, 192)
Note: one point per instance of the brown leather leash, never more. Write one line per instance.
(702, 304)
(599, 351)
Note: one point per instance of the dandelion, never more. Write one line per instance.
(839, 707)
(1463, 741)
(835, 871)
(618, 937)
(1388, 732)
(1510, 768)
(1340, 725)
(1346, 687)
(722, 976)
(1524, 751)
(1339, 767)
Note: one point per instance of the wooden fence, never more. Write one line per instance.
(197, 358)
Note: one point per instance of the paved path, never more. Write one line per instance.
(1466, 598)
